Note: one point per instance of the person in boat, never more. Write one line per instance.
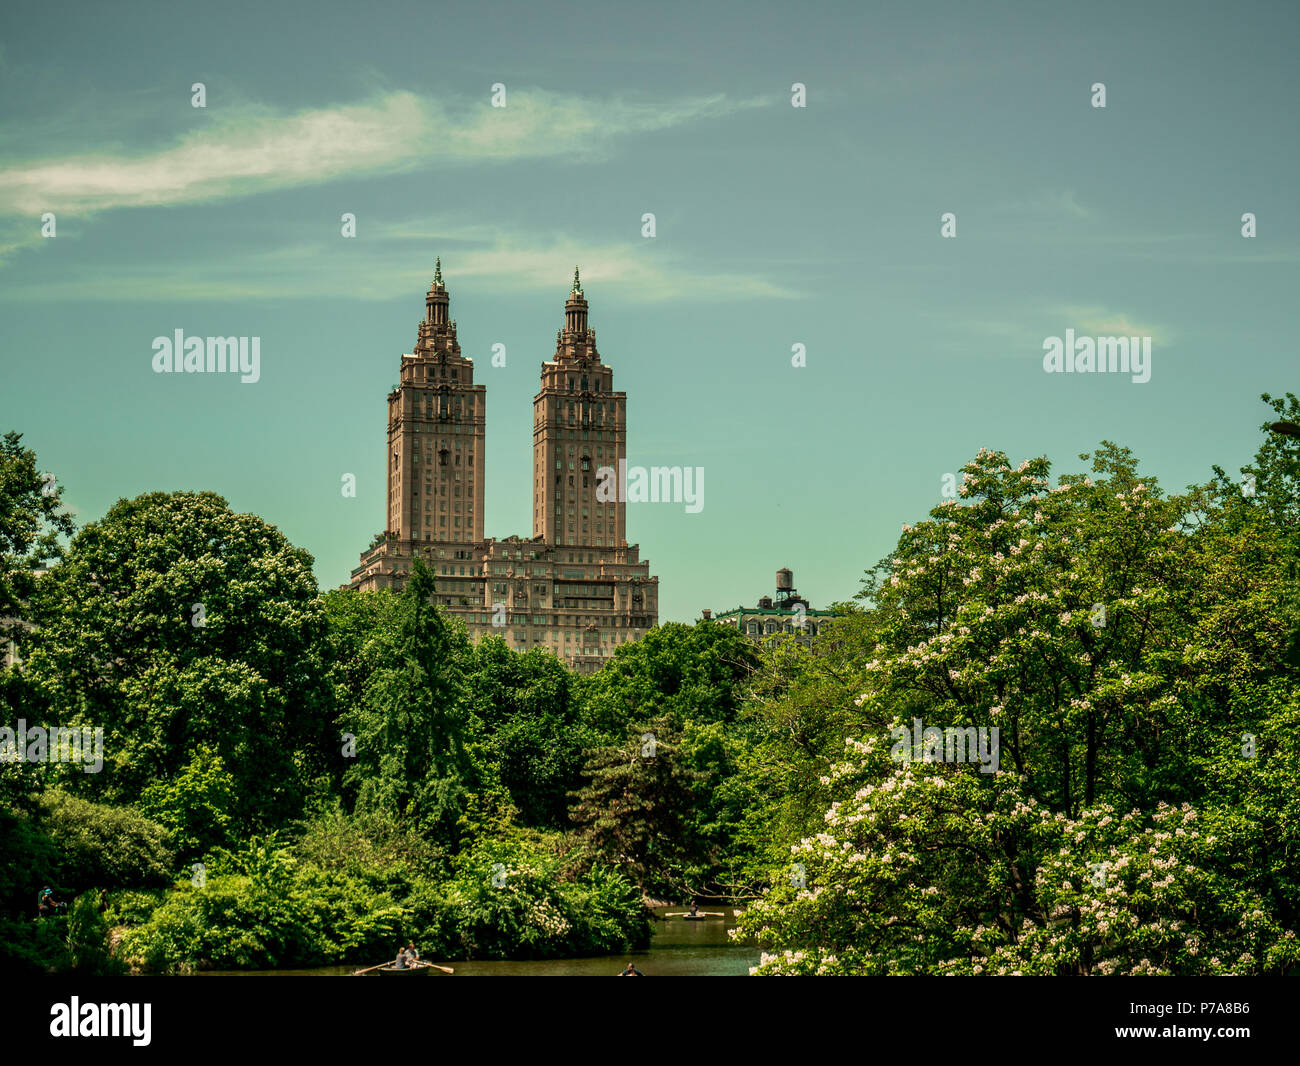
(412, 956)
(400, 964)
(631, 971)
(694, 911)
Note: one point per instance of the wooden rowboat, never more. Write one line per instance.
(420, 969)
(405, 971)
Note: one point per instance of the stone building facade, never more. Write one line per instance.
(575, 586)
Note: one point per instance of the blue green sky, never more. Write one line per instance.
(775, 226)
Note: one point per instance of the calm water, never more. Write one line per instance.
(678, 948)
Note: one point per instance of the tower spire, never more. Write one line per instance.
(436, 299)
(575, 309)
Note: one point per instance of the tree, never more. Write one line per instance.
(933, 871)
(174, 622)
(194, 805)
(410, 722)
(1117, 646)
(800, 714)
(30, 525)
(684, 672)
(634, 810)
(528, 730)
(1268, 495)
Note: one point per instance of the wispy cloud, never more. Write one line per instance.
(1103, 322)
(1060, 203)
(381, 268)
(256, 150)
(1021, 329)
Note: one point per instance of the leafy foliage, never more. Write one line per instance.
(119, 646)
(101, 845)
(1132, 651)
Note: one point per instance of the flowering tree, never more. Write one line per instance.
(934, 871)
(1119, 643)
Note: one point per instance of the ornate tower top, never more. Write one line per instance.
(437, 331)
(575, 312)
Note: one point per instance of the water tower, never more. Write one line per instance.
(784, 584)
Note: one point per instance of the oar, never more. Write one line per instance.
(358, 973)
(697, 914)
(444, 969)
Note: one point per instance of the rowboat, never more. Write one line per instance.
(420, 969)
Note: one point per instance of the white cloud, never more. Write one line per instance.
(380, 270)
(256, 150)
(1102, 322)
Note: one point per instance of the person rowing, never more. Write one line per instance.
(631, 971)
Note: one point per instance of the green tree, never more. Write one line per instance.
(175, 622)
(30, 526)
(1120, 642)
(688, 673)
(194, 805)
(100, 846)
(410, 722)
(529, 734)
(635, 809)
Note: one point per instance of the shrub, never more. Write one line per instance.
(105, 846)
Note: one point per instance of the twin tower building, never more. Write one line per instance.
(575, 586)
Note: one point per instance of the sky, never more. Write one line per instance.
(775, 226)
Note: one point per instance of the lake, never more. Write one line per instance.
(678, 948)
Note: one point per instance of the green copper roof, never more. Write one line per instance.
(772, 610)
